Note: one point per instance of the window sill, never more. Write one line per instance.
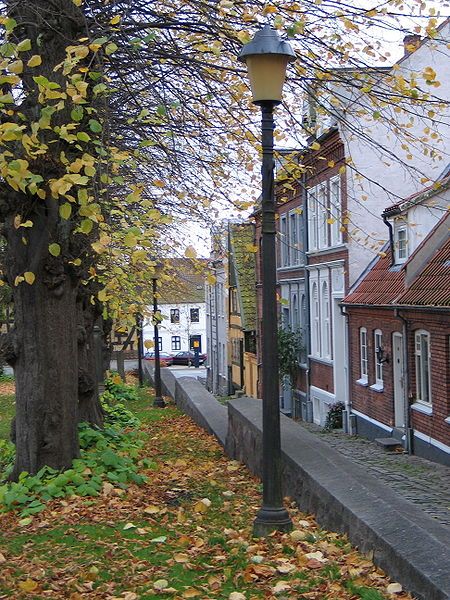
(377, 387)
(423, 407)
(318, 251)
(362, 382)
(325, 361)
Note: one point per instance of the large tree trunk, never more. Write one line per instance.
(46, 373)
(43, 344)
(89, 407)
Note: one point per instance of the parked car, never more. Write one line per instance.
(187, 358)
(166, 359)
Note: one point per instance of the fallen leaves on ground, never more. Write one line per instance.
(186, 533)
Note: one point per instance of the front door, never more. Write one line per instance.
(399, 380)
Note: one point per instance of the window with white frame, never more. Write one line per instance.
(295, 315)
(312, 220)
(378, 345)
(423, 375)
(400, 242)
(195, 315)
(326, 332)
(325, 215)
(315, 320)
(303, 328)
(284, 242)
(336, 211)
(293, 238)
(364, 372)
(322, 209)
(176, 342)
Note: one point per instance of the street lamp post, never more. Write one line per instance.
(267, 57)
(159, 400)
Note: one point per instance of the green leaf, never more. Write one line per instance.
(83, 136)
(65, 210)
(24, 45)
(54, 249)
(77, 113)
(95, 126)
(110, 48)
(86, 226)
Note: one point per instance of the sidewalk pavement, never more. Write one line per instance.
(422, 482)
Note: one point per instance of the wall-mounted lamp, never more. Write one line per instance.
(381, 356)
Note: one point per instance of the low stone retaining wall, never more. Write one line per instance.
(408, 544)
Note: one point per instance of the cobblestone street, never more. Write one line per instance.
(418, 480)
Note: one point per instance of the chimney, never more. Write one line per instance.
(410, 43)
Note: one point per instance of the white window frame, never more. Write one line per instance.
(323, 211)
(336, 211)
(315, 305)
(422, 362)
(303, 327)
(176, 342)
(363, 357)
(312, 220)
(293, 238)
(401, 246)
(325, 318)
(378, 343)
(284, 240)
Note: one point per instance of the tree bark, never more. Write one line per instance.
(43, 345)
(89, 407)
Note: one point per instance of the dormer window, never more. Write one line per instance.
(401, 242)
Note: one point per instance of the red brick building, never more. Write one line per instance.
(399, 346)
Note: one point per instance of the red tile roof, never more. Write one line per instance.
(432, 286)
(381, 285)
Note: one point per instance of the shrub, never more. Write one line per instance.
(334, 416)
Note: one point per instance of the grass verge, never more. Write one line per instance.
(184, 533)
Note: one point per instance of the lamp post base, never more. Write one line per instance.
(158, 402)
(271, 519)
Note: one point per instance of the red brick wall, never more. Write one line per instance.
(377, 405)
(322, 376)
(438, 326)
(380, 405)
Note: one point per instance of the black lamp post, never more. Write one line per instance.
(140, 346)
(159, 400)
(267, 57)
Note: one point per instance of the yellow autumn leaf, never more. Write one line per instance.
(190, 252)
(29, 277)
(102, 295)
(34, 61)
(315, 146)
(77, 2)
(16, 67)
(29, 585)
(54, 249)
(18, 280)
(115, 20)
(211, 279)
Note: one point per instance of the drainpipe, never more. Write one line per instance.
(391, 237)
(307, 327)
(409, 431)
(348, 399)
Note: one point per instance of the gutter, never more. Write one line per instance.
(420, 308)
(344, 313)
(308, 323)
